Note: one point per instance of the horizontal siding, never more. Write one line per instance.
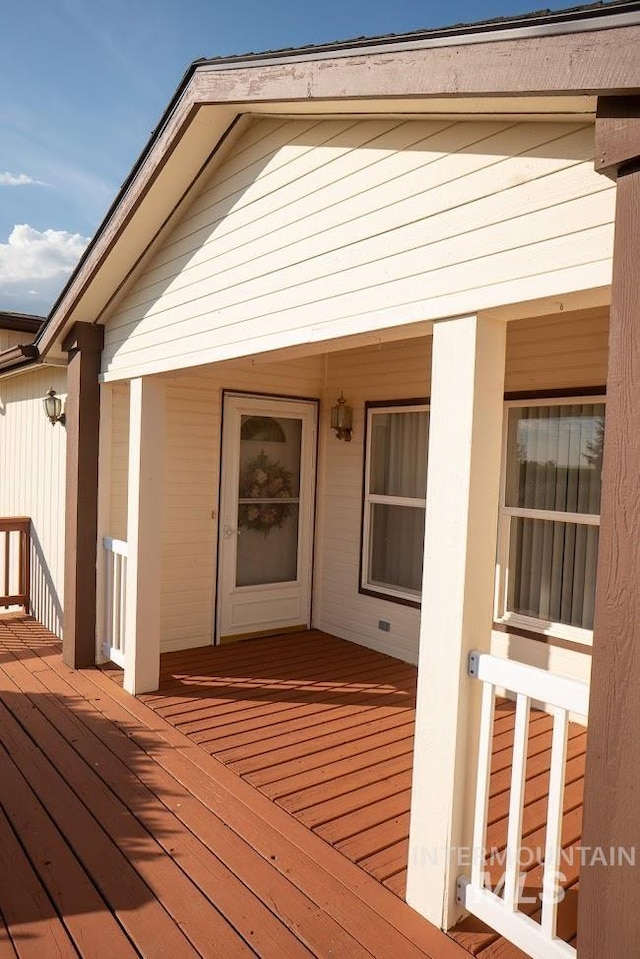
(556, 352)
(308, 224)
(562, 351)
(32, 482)
(396, 370)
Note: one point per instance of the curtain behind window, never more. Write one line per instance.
(398, 468)
(554, 461)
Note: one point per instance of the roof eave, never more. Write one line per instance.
(17, 357)
(528, 64)
(21, 322)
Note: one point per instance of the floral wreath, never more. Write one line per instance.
(263, 478)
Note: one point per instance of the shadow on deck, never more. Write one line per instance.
(120, 838)
(324, 728)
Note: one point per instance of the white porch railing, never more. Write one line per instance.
(115, 599)
(562, 696)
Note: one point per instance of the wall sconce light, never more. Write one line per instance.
(342, 419)
(53, 408)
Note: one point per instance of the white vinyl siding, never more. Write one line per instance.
(311, 229)
(32, 482)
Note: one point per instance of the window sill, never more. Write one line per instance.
(542, 630)
(389, 597)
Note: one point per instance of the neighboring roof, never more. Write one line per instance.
(21, 322)
(541, 54)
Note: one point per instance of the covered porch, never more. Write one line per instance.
(172, 541)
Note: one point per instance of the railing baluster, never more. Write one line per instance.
(117, 640)
(553, 842)
(108, 626)
(516, 802)
(485, 752)
(7, 563)
(115, 605)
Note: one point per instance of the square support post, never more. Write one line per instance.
(104, 512)
(608, 913)
(465, 440)
(144, 534)
(82, 416)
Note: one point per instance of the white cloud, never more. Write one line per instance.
(34, 265)
(19, 179)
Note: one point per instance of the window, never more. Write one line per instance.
(395, 486)
(550, 515)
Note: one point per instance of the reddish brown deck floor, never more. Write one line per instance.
(119, 837)
(324, 728)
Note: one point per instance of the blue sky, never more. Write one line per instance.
(83, 83)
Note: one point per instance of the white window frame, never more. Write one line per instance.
(366, 586)
(517, 620)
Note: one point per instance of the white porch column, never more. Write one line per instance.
(467, 390)
(104, 513)
(144, 534)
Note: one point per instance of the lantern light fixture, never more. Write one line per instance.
(53, 408)
(342, 419)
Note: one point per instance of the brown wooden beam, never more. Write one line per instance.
(609, 917)
(617, 139)
(84, 346)
(583, 63)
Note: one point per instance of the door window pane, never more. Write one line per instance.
(268, 500)
(270, 558)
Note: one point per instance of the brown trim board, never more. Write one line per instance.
(84, 346)
(589, 62)
(617, 139)
(21, 322)
(608, 914)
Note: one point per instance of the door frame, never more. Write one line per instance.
(313, 493)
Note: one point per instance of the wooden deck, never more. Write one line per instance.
(324, 729)
(119, 837)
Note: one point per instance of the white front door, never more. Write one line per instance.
(267, 484)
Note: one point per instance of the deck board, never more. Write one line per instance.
(325, 729)
(138, 806)
(258, 801)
